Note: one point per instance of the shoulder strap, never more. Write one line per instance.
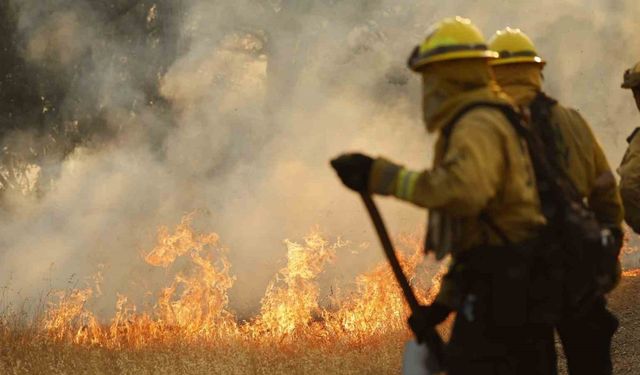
(555, 189)
(543, 128)
(448, 128)
(514, 118)
(540, 109)
(485, 218)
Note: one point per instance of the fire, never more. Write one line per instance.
(631, 273)
(291, 301)
(202, 306)
(194, 307)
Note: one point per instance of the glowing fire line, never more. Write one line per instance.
(290, 309)
(194, 307)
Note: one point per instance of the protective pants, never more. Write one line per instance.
(493, 333)
(475, 348)
(586, 340)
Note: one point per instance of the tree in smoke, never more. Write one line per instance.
(55, 92)
(80, 72)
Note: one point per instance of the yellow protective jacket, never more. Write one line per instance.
(581, 155)
(485, 169)
(629, 171)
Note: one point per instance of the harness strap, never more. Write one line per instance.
(515, 120)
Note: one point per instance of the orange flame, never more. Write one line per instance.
(631, 273)
(194, 307)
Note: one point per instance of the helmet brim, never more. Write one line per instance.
(418, 64)
(518, 60)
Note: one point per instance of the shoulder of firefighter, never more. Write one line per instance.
(629, 172)
(587, 166)
(518, 71)
(581, 156)
(484, 169)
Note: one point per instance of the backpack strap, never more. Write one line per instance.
(543, 128)
(488, 220)
(448, 128)
(540, 109)
(515, 119)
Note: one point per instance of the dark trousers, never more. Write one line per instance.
(586, 340)
(476, 348)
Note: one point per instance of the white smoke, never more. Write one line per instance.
(252, 155)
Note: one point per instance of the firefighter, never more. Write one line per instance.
(483, 206)
(586, 337)
(630, 167)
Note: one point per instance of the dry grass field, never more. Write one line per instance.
(23, 353)
(20, 356)
(191, 330)
(194, 332)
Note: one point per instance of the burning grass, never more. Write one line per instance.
(631, 273)
(190, 328)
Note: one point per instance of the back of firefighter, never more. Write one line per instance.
(586, 337)
(630, 168)
(483, 207)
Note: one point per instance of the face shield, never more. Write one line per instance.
(433, 97)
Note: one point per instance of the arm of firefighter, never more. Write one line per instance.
(462, 184)
(630, 184)
(605, 198)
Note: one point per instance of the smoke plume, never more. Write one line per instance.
(237, 118)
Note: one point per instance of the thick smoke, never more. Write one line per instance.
(251, 101)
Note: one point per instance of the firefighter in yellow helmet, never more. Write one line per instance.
(482, 202)
(572, 148)
(630, 168)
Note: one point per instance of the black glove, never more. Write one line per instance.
(426, 318)
(353, 170)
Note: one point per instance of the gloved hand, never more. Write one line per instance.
(426, 318)
(353, 170)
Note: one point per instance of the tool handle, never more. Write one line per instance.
(390, 253)
(432, 338)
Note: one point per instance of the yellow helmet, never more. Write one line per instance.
(631, 77)
(450, 39)
(513, 46)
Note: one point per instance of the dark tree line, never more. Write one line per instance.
(47, 111)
